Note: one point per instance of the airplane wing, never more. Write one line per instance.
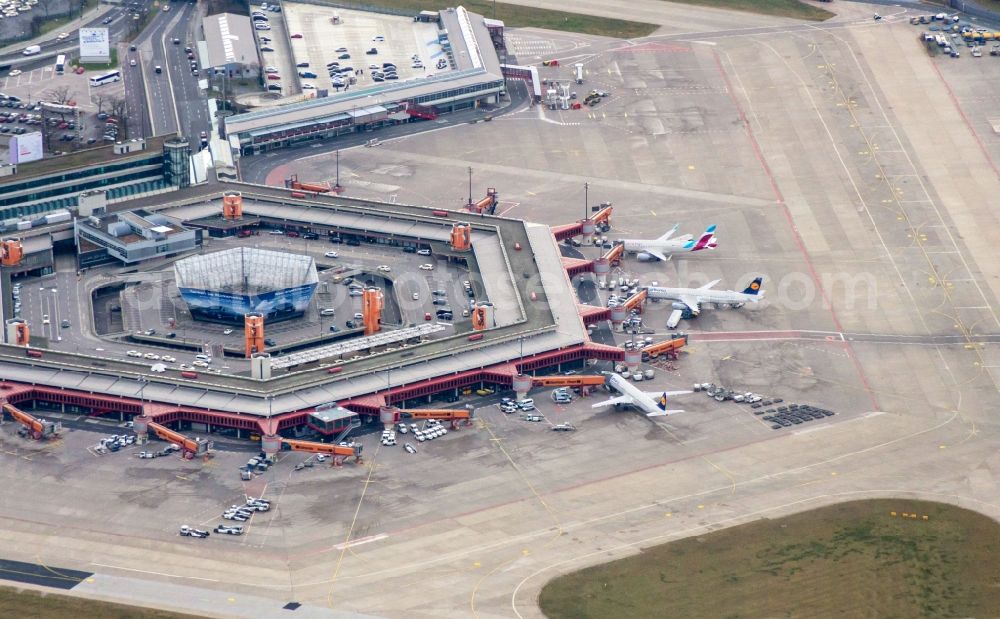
(709, 285)
(669, 233)
(656, 254)
(624, 399)
(693, 303)
(665, 413)
(657, 394)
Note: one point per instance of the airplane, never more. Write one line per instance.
(692, 298)
(653, 403)
(665, 246)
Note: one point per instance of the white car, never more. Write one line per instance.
(330, 254)
(271, 70)
(378, 38)
(227, 332)
(45, 319)
(134, 353)
(327, 311)
(14, 73)
(423, 252)
(151, 356)
(168, 359)
(62, 36)
(426, 267)
(308, 87)
(185, 366)
(416, 296)
(384, 268)
(200, 364)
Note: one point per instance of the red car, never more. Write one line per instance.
(292, 234)
(273, 76)
(296, 36)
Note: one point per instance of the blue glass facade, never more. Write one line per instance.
(227, 307)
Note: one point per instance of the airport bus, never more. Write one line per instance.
(107, 78)
(60, 64)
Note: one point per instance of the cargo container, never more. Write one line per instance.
(33, 353)
(298, 194)
(439, 213)
(187, 374)
(475, 337)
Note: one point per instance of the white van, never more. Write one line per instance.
(204, 358)
(527, 404)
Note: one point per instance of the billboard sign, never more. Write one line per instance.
(26, 147)
(95, 44)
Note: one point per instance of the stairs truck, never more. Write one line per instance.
(38, 429)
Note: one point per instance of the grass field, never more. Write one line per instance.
(30, 603)
(517, 16)
(847, 560)
(780, 8)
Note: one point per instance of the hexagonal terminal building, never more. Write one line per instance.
(226, 285)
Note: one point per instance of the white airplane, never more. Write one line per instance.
(653, 403)
(692, 298)
(665, 246)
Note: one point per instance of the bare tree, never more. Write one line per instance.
(99, 101)
(118, 108)
(47, 4)
(58, 94)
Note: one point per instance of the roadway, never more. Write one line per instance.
(173, 98)
(255, 169)
(118, 29)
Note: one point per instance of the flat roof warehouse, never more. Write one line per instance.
(477, 78)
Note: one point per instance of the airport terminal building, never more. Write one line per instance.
(477, 79)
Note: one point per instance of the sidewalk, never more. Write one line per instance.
(89, 16)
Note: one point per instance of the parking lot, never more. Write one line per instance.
(394, 39)
(58, 308)
(21, 110)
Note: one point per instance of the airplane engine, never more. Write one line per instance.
(644, 257)
(678, 305)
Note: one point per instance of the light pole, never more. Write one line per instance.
(337, 185)
(586, 200)
(469, 206)
(142, 393)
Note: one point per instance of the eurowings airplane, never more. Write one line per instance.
(653, 403)
(692, 298)
(666, 246)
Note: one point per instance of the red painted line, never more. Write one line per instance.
(965, 119)
(780, 199)
(744, 335)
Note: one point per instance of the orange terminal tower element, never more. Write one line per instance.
(11, 252)
(232, 205)
(372, 304)
(482, 317)
(17, 332)
(253, 331)
(461, 237)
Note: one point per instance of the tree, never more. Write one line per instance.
(47, 4)
(59, 94)
(98, 100)
(118, 108)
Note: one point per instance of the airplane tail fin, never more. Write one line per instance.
(707, 240)
(661, 403)
(754, 287)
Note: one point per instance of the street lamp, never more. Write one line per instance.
(337, 185)
(469, 206)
